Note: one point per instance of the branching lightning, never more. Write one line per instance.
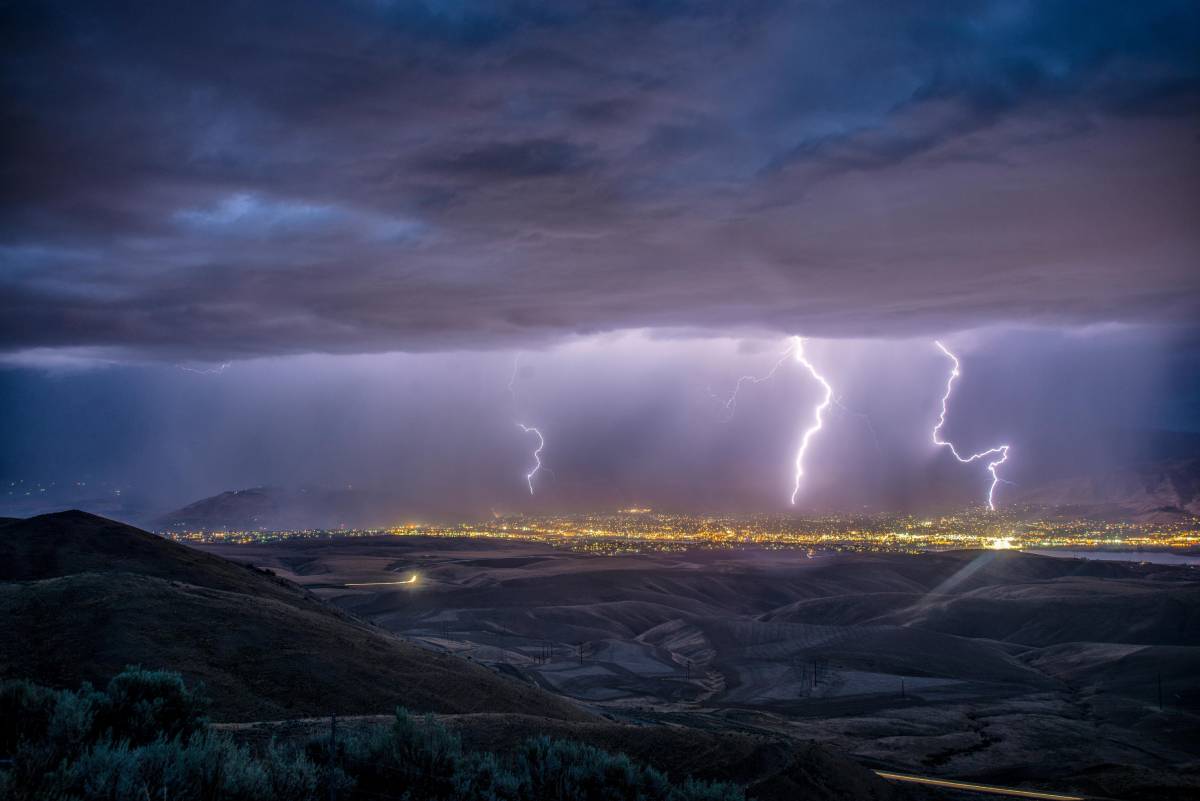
(207, 370)
(730, 403)
(537, 454)
(1002, 450)
(818, 413)
(866, 418)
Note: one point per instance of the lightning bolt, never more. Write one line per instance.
(866, 418)
(1002, 450)
(512, 379)
(730, 403)
(207, 370)
(818, 413)
(537, 453)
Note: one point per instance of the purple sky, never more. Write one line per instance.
(311, 191)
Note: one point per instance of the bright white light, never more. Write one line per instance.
(410, 580)
(206, 370)
(1002, 450)
(818, 421)
(537, 454)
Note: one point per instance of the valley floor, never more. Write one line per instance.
(1000, 667)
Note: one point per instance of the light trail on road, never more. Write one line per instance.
(977, 788)
(411, 580)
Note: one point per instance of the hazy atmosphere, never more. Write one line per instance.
(628, 419)
(362, 255)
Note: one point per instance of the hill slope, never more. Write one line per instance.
(85, 596)
(68, 543)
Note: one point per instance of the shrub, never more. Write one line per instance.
(25, 712)
(421, 758)
(483, 777)
(208, 766)
(553, 769)
(140, 706)
(145, 737)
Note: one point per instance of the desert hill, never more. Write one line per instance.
(1167, 489)
(267, 508)
(997, 666)
(83, 596)
(73, 542)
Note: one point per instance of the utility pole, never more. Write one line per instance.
(902, 693)
(332, 748)
(1160, 692)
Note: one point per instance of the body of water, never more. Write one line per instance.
(1157, 557)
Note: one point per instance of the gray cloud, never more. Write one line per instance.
(529, 158)
(220, 180)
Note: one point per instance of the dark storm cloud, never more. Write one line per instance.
(529, 158)
(212, 180)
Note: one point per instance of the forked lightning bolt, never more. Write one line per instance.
(537, 454)
(1002, 450)
(731, 403)
(818, 413)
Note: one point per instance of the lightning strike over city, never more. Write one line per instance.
(818, 412)
(278, 281)
(1000, 450)
(537, 453)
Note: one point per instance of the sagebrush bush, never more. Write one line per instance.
(140, 706)
(145, 737)
(25, 712)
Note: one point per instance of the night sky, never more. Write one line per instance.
(316, 244)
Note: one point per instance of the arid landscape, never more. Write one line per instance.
(782, 670)
(992, 666)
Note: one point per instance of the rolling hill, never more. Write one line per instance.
(83, 596)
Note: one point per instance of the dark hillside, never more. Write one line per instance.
(84, 596)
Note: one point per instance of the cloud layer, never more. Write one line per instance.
(214, 181)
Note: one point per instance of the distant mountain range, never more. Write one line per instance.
(1161, 490)
(1166, 489)
(276, 508)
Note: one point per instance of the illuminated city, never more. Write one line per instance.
(645, 531)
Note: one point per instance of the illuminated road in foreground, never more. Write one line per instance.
(977, 788)
(411, 580)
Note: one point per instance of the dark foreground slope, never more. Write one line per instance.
(92, 596)
(770, 767)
